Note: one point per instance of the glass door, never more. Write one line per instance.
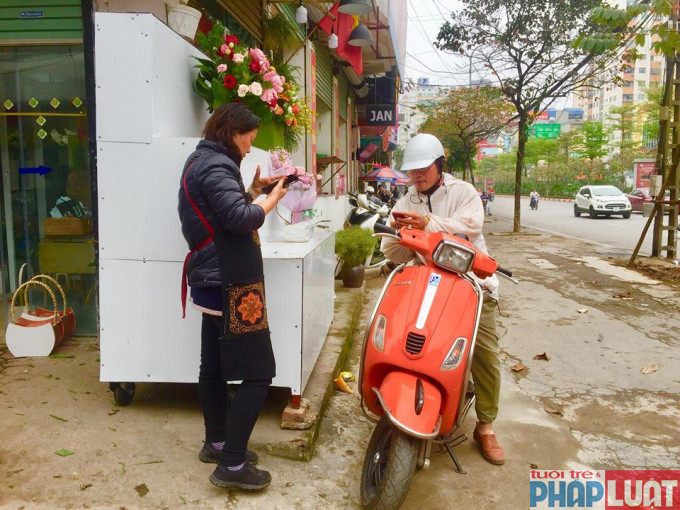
(46, 189)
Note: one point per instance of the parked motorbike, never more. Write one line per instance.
(417, 358)
(533, 203)
(366, 213)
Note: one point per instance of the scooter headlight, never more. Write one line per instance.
(379, 333)
(453, 257)
(455, 354)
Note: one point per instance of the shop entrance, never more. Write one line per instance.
(45, 192)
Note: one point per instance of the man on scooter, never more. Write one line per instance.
(437, 202)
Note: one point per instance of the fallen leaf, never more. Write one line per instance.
(553, 410)
(543, 355)
(142, 490)
(625, 296)
(150, 462)
(58, 417)
(518, 367)
(63, 452)
(651, 368)
(533, 466)
(583, 310)
(84, 486)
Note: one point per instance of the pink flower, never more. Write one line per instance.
(243, 90)
(221, 68)
(257, 54)
(264, 65)
(238, 58)
(268, 95)
(275, 80)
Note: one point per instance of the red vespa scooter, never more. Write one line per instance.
(416, 360)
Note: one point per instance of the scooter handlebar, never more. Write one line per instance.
(504, 271)
(379, 228)
(507, 274)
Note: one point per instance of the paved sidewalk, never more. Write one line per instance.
(606, 399)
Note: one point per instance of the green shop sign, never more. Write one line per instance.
(41, 20)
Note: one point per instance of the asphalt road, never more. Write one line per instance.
(558, 217)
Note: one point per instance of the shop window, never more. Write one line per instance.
(45, 192)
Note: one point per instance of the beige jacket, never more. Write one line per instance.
(456, 208)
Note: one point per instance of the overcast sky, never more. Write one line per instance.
(425, 17)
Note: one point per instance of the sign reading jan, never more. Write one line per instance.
(378, 115)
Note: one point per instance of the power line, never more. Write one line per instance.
(424, 34)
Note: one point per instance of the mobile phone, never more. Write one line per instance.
(288, 180)
(400, 214)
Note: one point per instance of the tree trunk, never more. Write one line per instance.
(522, 136)
(468, 164)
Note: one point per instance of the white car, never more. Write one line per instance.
(601, 201)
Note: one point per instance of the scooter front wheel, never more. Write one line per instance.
(389, 465)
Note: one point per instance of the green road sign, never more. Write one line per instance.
(544, 131)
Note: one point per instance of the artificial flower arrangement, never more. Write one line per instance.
(301, 194)
(233, 72)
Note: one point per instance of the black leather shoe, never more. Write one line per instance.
(211, 455)
(248, 478)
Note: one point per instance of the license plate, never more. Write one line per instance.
(616, 208)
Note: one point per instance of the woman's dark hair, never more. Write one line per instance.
(228, 120)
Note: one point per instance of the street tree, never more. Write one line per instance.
(623, 123)
(595, 139)
(470, 115)
(650, 110)
(570, 144)
(658, 20)
(527, 46)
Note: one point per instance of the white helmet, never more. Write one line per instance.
(421, 151)
(370, 189)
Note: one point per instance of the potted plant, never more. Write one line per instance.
(233, 72)
(353, 246)
(182, 18)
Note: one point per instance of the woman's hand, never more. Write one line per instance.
(279, 191)
(412, 219)
(262, 182)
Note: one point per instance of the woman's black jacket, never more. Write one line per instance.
(214, 183)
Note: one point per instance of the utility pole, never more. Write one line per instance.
(669, 155)
(667, 159)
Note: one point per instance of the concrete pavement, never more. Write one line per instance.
(590, 405)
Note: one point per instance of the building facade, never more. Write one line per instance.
(47, 116)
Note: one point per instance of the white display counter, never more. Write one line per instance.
(148, 122)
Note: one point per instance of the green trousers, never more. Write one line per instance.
(486, 365)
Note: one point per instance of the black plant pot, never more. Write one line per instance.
(352, 277)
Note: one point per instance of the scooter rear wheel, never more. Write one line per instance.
(389, 465)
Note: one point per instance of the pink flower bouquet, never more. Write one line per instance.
(301, 194)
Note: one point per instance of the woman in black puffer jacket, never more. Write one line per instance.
(224, 271)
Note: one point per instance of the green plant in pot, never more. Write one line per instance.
(353, 246)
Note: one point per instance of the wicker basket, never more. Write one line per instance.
(67, 226)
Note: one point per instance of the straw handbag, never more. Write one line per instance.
(27, 337)
(68, 318)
